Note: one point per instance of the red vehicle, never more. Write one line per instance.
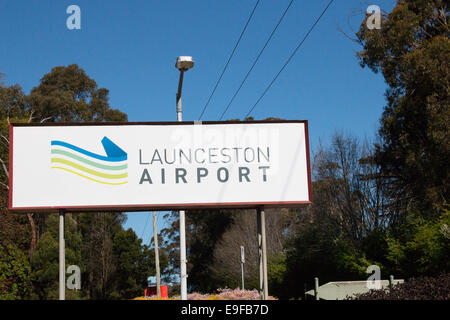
(151, 291)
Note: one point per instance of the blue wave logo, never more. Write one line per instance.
(110, 169)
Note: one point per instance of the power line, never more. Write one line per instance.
(229, 59)
(145, 226)
(257, 58)
(289, 59)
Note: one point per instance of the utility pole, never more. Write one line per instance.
(155, 240)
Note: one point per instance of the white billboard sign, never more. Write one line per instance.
(158, 166)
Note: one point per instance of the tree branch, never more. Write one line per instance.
(45, 119)
(4, 168)
(5, 138)
(4, 185)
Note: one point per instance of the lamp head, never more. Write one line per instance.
(184, 63)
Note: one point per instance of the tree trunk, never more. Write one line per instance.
(33, 233)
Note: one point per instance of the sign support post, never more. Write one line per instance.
(62, 257)
(262, 250)
(242, 265)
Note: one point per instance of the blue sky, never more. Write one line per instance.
(130, 48)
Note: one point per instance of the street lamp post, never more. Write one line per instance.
(183, 64)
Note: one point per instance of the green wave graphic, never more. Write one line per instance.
(89, 162)
(90, 171)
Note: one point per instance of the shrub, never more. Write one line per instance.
(423, 288)
(222, 294)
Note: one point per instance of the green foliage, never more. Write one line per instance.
(421, 247)
(350, 261)
(412, 51)
(12, 109)
(276, 270)
(132, 264)
(318, 250)
(14, 273)
(375, 248)
(114, 264)
(12, 103)
(13, 228)
(44, 263)
(67, 94)
(45, 257)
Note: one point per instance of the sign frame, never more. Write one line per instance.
(157, 207)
